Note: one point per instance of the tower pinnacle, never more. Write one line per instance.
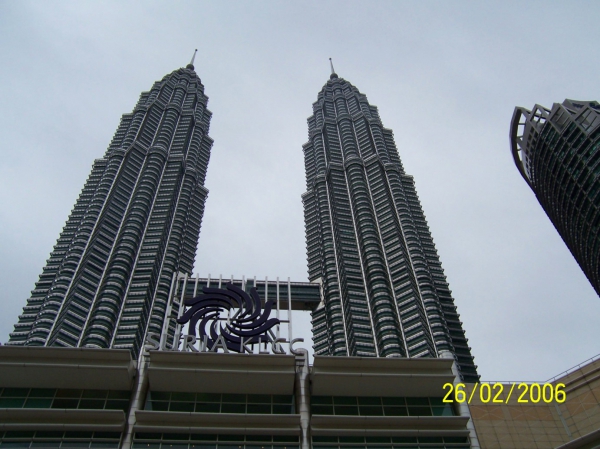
(191, 64)
(333, 74)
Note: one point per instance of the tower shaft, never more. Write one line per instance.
(368, 243)
(135, 224)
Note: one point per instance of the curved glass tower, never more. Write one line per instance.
(134, 226)
(557, 151)
(368, 243)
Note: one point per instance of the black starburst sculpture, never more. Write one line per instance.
(248, 325)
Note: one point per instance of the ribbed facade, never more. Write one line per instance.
(558, 153)
(135, 224)
(368, 243)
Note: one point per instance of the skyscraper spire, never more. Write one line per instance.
(333, 74)
(191, 64)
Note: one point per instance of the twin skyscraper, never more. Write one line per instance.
(137, 220)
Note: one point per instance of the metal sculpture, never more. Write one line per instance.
(211, 313)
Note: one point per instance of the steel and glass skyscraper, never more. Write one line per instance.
(368, 243)
(135, 224)
(557, 151)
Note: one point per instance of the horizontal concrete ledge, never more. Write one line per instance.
(222, 373)
(386, 423)
(222, 421)
(211, 430)
(382, 365)
(29, 418)
(50, 367)
(385, 384)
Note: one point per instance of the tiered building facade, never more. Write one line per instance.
(368, 243)
(134, 226)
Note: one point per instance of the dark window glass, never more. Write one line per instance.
(419, 411)
(443, 411)
(203, 437)
(259, 408)
(42, 393)
(233, 408)
(239, 398)
(91, 404)
(65, 403)
(38, 403)
(78, 434)
(346, 410)
(321, 400)
(393, 401)
(208, 397)
(285, 439)
(259, 398)
(63, 393)
(208, 408)
(181, 407)
(322, 409)
(185, 397)
(417, 401)
(116, 405)
(75, 444)
(120, 394)
(395, 411)
(159, 406)
(344, 400)
(94, 394)
(160, 395)
(105, 444)
(282, 409)
(15, 393)
(366, 410)
(369, 401)
(176, 436)
(138, 445)
(11, 402)
(281, 399)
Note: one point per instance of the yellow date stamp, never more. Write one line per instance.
(494, 393)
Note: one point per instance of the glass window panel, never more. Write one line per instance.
(185, 397)
(377, 440)
(262, 438)
(91, 404)
(15, 444)
(160, 395)
(11, 402)
(94, 394)
(395, 411)
(138, 445)
(325, 439)
(117, 405)
(104, 444)
(208, 397)
(15, 392)
(76, 444)
(393, 401)
(66, 393)
(239, 398)
(38, 403)
(431, 440)
(367, 410)
(181, 407)
(175, 445)
(369, 401)
(419, 411)
(203, 437)
(442, 411)
(45, 444)
(18, 434)
(321, 400)
(203, 446)
(322, 409)
(259, 398)
(404, 439)
(346, 410)
(437, 401)
(208, 408)
(282, 399)
(119, 394)
(344, 400)
(285, 439)
(78, 434)
(176, 436)
(159, 406)
(352, 439)
(282, 409)
(231, 438)
(114, 435)
(417, 401)
(233, 408)
(259, 408)
(65, 403)
(42, 393)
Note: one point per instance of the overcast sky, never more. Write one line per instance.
(446, 77)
